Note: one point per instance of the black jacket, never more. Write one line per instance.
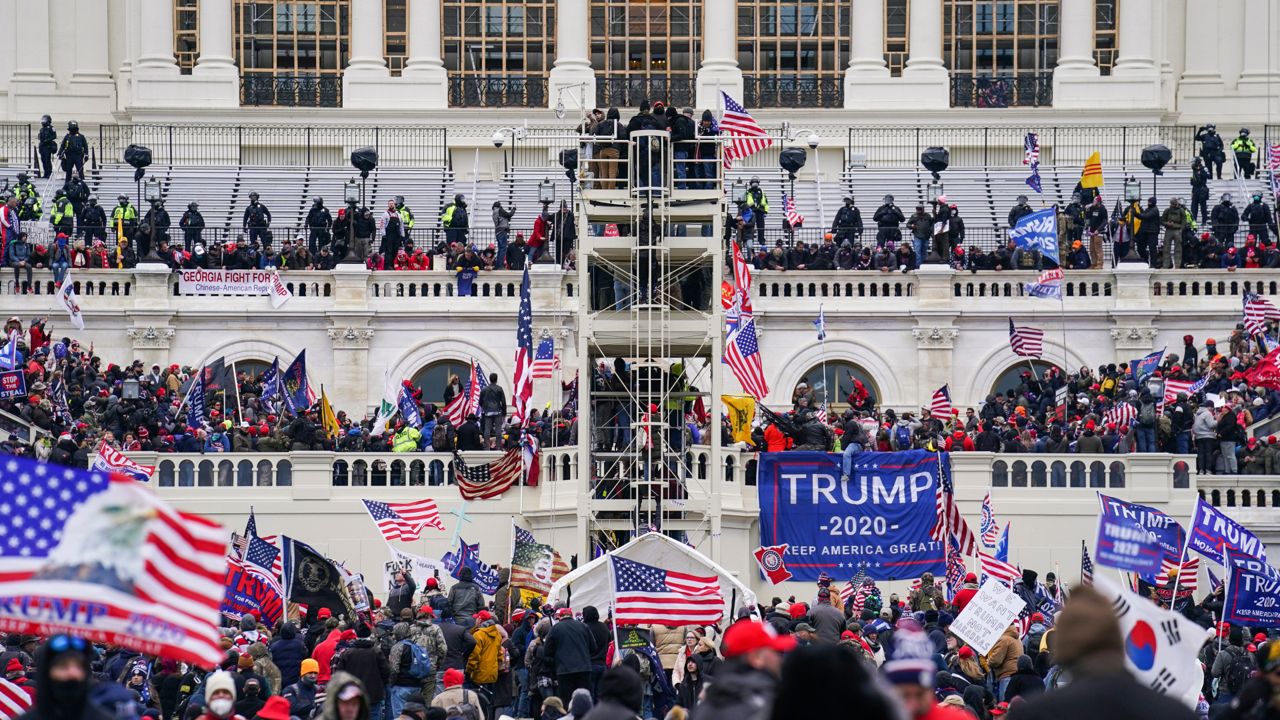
(1103, 696)
(738, 693)
(366, 662)
(459, 643)
(469, 437)
(569, 647)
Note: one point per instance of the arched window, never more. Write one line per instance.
(838, 376)
(254, 368)
(1011, 377)
(433, 378)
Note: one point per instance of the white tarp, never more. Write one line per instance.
(591, 584)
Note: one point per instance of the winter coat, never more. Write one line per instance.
(466, 599)
(738, 693)
(367, 664)
(324, 653)
(828, 621)
(1026, 683)
(459, 643)
(1103, 695)
(569, 647)
(340, 681)
(1003, 656)
(402, 596)
(302, 698)
(485, 661)
(263, 665)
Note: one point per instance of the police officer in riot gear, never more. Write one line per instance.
(319, 223)
(93, 221)
(1019, 211)
(257, 220)
(889, 219)
(155, 227)
(847, 226)
(1225, 219)
(48, 145)
(1211, 148)
(1244, 147)
(192, 224)
(73, 151)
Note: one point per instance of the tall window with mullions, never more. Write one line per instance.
(645, 49)
(292, 52)
(1000, 54)
(792, 52)
(499, 52)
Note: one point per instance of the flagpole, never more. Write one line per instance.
(511, 587)
(822, 340)
(613, 606)
(235, 380)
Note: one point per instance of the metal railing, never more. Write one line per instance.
(510, 91)
(291, 90)
(628, 91)
(1001, 91)
(275, 145)
(1002, 145)
(793, 92)
(18, 144)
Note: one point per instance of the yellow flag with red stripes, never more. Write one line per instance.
(1092, 175)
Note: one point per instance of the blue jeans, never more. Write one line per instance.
(1146, 439)
(846, 462)
(681, 167)
(1002, 686)
(376, 710)
(439, 681)
(522, 692)
(397, 695)
(922, 249)
(500, 236)
(1183, 440)
(620, 292)
(59, 271)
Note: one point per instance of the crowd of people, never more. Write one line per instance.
(428, 653)
(85, 234)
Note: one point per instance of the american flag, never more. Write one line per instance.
(489, 480)
(242, 545)
(111, 460)
(949, 522)
(545, 360)
(1121, 414)
(1086, 565)
(1172, 388)
(851, 588)
(15, 699)
(404, 521)
(987, 525)
(1026, 341)
(467, 401)
(1257, 311)
(742, 354)
(940, 405)
(866, 590)
(820, 414)
(648, 595)
(1274, 153)
(1023, 621)
(1031, 146)
(522, 388)
(746, 137)
(262, 553)
(107, 546)
(534, 565)
(1188, 576)
(272, 609)
(794, 218)
(955, 569)
(998, 569)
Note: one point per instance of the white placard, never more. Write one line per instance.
(421, 568)
(234, 282)
(987, 616)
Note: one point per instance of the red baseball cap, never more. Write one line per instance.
(744, 636)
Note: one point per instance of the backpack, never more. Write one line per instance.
(420, 667)
(1238, 673)
(902, 434)
(442, 438)
(1147, 415)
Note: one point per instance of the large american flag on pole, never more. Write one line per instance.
(103, 558)
(522, 387)
(1026, 341)
(1121, 414)
(545, 360)
(949, 521)
(404, 521)
(488, 480)
(1002, 571)
(940, 404)
(742, 354)
(648, 595)
(1257, 311)
(467, 401)
(746, 137)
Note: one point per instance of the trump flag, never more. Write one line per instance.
(101, 557)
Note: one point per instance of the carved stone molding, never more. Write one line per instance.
(935, 337)
(150, 337)
(350, 338)
(1134, 338)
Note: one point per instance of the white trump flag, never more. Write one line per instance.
(1160, 647)
(68, 300)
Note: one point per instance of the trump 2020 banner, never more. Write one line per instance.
(1037, 231)
(878, 521)
(1165, 529)
(1213, 533)
(1253, 593)
(249, 589)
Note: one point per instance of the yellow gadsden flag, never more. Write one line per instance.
(741, 411)
(328, 420)
(1092, 175)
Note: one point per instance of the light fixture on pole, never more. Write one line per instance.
(811, 139)
(351, 196)
(1132, 196)
(519, 132)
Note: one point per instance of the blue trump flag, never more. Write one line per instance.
(296, 391)
(408, 408)
(878, 521)
(1166, 531)
(1253, 593)
(195, 402)
(1142, 368)
(1037, 231)
(1002, 545)
(1213, 533)
(468, 556)
(1125, 545)
(271, 381)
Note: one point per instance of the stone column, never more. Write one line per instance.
(350, 366)
(1136, 42)
(1260, 72)
(155, 56)
(572, 68)
(925, 79)
(151, 343)
(866, 46)
(366, 82)
(215, 39)
(425, 66)
(1201, 64)
(719, 69)
(32, 83)
(1075, 40)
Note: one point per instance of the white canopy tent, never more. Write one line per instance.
(592, 583)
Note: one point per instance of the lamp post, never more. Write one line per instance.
(351, 196)
(1132, 196)
(151, 191)
(546, 196)
(129, 389)
(500, 135)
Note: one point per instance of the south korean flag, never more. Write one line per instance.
(1160, 647)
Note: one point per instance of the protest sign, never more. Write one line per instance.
(419, 567)
(986, 617)
(13, 384)
(234, 282)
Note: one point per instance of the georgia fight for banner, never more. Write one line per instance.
(878, 521)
